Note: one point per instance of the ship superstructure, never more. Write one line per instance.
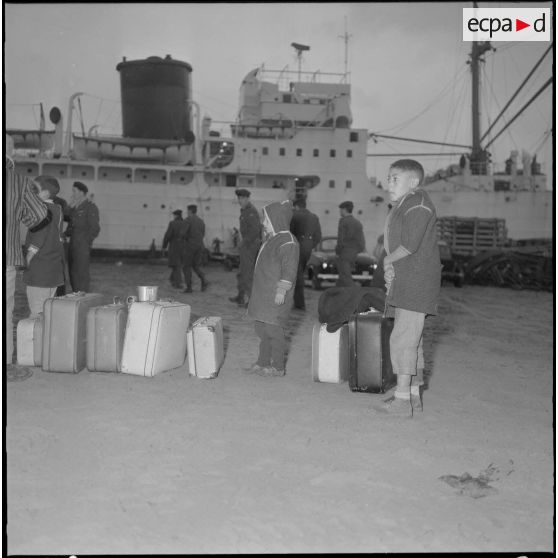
(292, 137)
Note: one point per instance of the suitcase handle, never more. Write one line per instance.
(116, 300)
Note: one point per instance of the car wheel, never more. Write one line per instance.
(458, 282)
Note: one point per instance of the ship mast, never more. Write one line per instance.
(479, 157)
(346, 36)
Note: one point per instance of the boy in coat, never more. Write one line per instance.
(412, 271)
(272, 289)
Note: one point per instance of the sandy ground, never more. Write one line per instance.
(114, 463)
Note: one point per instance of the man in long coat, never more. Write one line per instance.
(193, 231)
(174, 241)
(305, 226)
(82, 230)
(251, 233)
(350, 241)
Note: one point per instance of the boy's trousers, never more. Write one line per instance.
(405, 344)
(272, 345)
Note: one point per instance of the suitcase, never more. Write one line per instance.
(155, 338)
(205, 347)
(65, 331)
(106, 326)
(29, 341)
(369, 360)
(330, 354)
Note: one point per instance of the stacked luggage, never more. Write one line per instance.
(357, 352)
(78, 330)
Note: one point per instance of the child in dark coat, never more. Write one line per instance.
(45, 251)
(273, 288)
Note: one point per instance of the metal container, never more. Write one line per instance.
(155, 95)
(148, 293)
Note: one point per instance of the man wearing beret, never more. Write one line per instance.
(350, 241)
(174, 241)
(82, 231)
(251, 234)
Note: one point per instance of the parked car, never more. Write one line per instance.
(452, 270)
(322, 265)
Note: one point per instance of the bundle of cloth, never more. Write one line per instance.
(337, 305)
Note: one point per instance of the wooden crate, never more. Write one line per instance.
(470, 235)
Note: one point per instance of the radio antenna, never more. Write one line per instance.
(346, 36)
(299, 50)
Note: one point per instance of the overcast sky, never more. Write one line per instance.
(407, 64)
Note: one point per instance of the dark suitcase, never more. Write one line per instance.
(369, 361)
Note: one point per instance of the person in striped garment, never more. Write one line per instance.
(22, 205)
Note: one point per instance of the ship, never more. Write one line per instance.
(292, 137)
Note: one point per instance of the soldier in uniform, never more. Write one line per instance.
(251, 233)
(350, 241)
(173, 239)
(82, 231)
(193, 231)
(305, 226)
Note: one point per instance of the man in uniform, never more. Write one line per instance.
(193, 231)
(350, 241)
(251, 233)
(305, 226)
(82, 231)
(173, 239)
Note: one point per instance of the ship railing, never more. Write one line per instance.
(283, 78)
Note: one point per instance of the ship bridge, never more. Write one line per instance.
(289, 99)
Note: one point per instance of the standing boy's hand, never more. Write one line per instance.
(279, 297)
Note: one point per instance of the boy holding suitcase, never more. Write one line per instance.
(272, 290)
(412, 271)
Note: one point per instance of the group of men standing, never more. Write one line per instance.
(55, 260)
(184, 239)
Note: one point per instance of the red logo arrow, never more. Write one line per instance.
(519, 25)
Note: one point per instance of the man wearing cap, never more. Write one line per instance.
(251, 233)
(82, 231)
(193, 231)
(305, 226)
(350, 241)
(175, 243)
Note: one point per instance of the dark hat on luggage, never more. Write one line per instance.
(177, 212)
(81, 186)
(242, 193)
(348, 205)
(48, 183)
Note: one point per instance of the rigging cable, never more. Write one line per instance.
(400, 126)
(548, 82)
(518, 90)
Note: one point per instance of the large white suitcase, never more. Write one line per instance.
(155, 338)
(29, 341)
(205, 347)
(330, 354)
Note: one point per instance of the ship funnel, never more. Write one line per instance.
(155, 96)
